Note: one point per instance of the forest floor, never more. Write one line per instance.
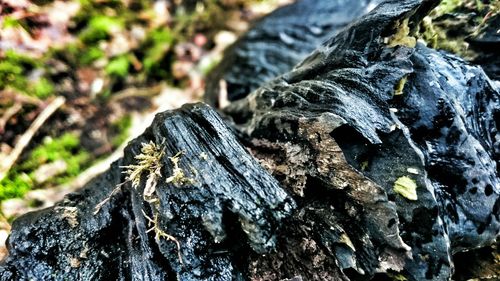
(79, 78)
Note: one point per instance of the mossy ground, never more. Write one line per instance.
(66, 148)
(115, 45)
(453, 21)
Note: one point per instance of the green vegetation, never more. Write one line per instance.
(100, 28)
(66, 148)
(395, 276)
(400, 86)
(118, 67)
(108, 46)
(406, 187)
(178, 177)
(447, 6)
(149, 162)
(157, 44)
(90, 55)
(402, 36)
(43, 88)
(16, 184)
(14, 70)
(442, 32)
(121, 127)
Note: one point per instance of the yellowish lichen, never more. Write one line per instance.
(397, 277)
(364, 165)
(159, 233)
(400, 86)
(149, 162)
(178, 176)
(347, 241)
(74, 262)
(402, 36)
(70, 214)
(204, 156)
(406, 187)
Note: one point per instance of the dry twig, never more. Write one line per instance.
(25, 139)
(137, 92)
(11, 95)
(11, 111)
(118, 187)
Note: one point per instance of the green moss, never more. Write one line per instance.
(91, 54)
(9, 22)
(14, 185)
(207, 15)
(118, 67)
(105, 24)
(66, 147)
(364, 165)
(402, 36)
(23, 60)
(11, 75)
(121, 127)
(43, 88)
(436, 37)
(452, 21)
(149, 162)
(157, 44)
(406, 187)
(179, 177)
(14, 68)
(447, 6)
(395, 276)
(100, 28)
(53, 149)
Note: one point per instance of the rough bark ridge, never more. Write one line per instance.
(382, 161)
(278, 42)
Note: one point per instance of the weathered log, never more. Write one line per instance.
(401, 112)
(382, 159)
(278, 42)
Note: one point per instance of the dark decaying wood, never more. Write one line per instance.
(368, 160)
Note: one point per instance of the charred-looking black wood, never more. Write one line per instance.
(231, 206)
(393, 112)
(278, 42)
(367, 109)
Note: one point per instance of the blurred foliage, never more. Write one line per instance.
(118, 66)
(96, 25)
(119, 43)
(14, 71)
(444, 31)
(22, 177)
(120, 128)
(100, 28)
(157, 44)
